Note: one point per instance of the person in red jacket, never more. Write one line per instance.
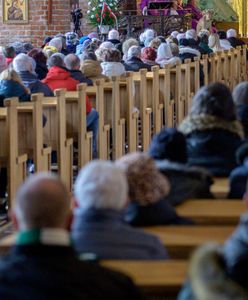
(59, 77)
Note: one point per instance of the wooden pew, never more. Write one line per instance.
(181, 241)
(157, 279)
(220, 187)
(12, 159)
(212, 212)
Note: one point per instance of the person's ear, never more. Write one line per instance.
(74, 203)
(14, 220)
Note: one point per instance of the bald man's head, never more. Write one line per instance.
(42, 201)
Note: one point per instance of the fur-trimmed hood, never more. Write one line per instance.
(203, 122)
(184, 50)
(174, 167)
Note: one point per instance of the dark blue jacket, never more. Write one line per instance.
(41, 70)
(214, 150)
(186, 182)
(34, 84)
(53, 272)
(134, 64)
(238, 181)
(104, 233)
(236, 253)
(242, 116)
(79, 76)
(11, 88)
(160, 213)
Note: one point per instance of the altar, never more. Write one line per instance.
(158, 17)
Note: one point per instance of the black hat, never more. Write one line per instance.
(169, 144)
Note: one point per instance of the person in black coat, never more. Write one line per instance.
(42, 264)
(232, 38)
(236, 251)
(239, 176)
(212, 131)
(148, 190)
(169, 149)
(72, 63)
(133, 61)
(240, 97)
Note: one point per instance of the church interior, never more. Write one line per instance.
(124, 149)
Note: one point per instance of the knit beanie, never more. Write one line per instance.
(169, 144)
(148, 53)
(71, 38)
(146, 184)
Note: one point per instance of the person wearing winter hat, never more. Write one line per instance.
(133, 61)
(148, 56)
(114, 37)
(214, 42)
(165, 57)
(71, 41)
(224, 43)
(18, 46)
(169, 149)
(3, 63)
(148, 190)
(90, 66)
(212, 130)
(187, 52)
(111, 65)
(93, 35)
(101, 194)
(49, 51)
(233, 39)
(240, 98)
(57, 43)
(128, 44)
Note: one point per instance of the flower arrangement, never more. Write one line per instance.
(102, 12)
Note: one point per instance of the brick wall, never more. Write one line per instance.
(37, 28)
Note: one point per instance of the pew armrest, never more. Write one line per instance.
(148, 110)
(22, 159)
(46, 151)
(68, 142)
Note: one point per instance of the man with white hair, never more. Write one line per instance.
(25, 66)
(133, 60)
(42, 264)
(231, 35)
(101, 194)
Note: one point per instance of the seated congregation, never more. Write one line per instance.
(62, 238)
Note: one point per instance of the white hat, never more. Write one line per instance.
(113, 35)
(191, 34)
(231, 33)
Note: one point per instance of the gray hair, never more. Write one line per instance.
(134, 51)
(101, 185)
(42, 201)
(56, 60)
(22, 62)
(72, 62)
(57, 43)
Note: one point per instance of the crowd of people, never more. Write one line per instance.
(112, 199)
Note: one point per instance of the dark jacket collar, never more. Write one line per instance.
(101, 216)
